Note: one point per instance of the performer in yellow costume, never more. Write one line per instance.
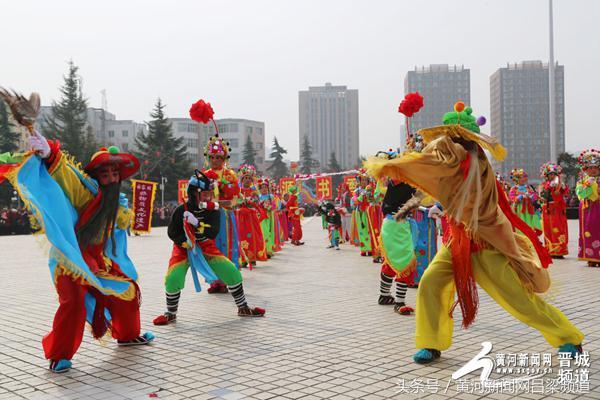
(510, 267)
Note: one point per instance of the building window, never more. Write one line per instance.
(233, 128)
(259, 131)
(111, 133)
(233, 142)
(248, 129)
(125, 133)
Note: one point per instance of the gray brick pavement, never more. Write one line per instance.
(324, 336)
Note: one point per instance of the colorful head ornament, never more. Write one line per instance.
(462, 116)
(517, 173)
(589, 158)
(128, 163)
(247, 170)
(202, 181)
(264, 182)
(409, 106)
(550, 168)
(387, 155)
(217, 146)
(203, 112)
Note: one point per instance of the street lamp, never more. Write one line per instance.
(163, 180)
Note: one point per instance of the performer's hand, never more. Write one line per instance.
(39, 144)
(190, 218)
(434, 212)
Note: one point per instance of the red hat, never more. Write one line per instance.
(128, 163)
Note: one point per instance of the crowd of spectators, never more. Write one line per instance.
(14, 221)
(162, 215)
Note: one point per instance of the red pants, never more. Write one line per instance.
(389, 271)
(69, 321)
(296, 229)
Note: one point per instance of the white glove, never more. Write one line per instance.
(190, 218)
(434, 212)
(39, 144)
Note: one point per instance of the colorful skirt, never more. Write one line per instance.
(589, 231)
(556, 234)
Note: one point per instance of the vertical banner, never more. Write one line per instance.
(285, 184)
(324, 189)
(143, 203)
(182, 191)
(351, 182)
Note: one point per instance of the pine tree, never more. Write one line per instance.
(9, 136)
(570, 167)
(333, 165)
(278, 168)
(249, 153)
(67, 121)
(307, 163)
(161, 154)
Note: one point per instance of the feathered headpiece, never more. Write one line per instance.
(550, 168)
(517, 173)
(25, 111)
(589, 158)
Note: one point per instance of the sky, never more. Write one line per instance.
(249, 59)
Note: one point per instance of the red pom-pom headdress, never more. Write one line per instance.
(203, 112)
(409, 106)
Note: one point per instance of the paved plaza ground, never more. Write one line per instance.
(324, 336)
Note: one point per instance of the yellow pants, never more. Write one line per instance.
(493, 273)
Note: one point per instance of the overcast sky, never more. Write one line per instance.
(250, 58)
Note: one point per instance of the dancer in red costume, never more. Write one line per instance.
(553, 193)
(295, 215)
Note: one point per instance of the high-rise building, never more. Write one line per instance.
(328, 116)
(519, 105)
(441, 86)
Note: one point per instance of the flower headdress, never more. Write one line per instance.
(589, 158)
(516, 174)
(550, 168)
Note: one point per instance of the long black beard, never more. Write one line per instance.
(102, 222)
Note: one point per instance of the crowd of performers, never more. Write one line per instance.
(444, 184)
(230, 221)
(225, 224)
(544, 209)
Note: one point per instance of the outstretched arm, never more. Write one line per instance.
(61, 170)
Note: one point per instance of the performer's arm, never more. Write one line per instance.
(425, 170)
(175, 230)
(61, 170)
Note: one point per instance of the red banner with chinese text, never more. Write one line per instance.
(143, 203)
(351, 182)
(324, 189)
(182, 191)
(285, 184)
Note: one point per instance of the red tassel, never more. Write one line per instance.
(464, 280)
